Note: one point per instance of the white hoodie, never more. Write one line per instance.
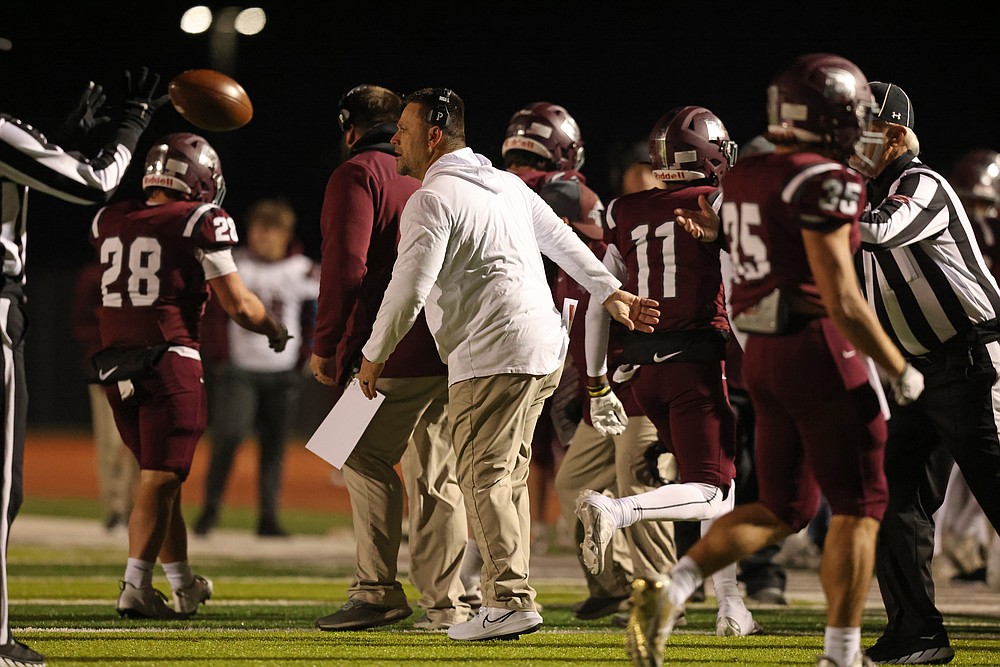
(470, 244)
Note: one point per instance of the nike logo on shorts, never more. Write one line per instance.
(847, 354)
(658, 358)
(104, 375)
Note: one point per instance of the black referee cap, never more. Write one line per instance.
(894, 104)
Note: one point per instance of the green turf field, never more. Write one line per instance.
(62, 603)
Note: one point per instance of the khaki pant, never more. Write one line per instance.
(493, 420)
(117, 469)
(410, 427)
(612, 464)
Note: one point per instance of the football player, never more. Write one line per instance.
(790, 219)
(680, 383)
(160, 255)
(544, 146)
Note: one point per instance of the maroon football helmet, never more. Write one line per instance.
(547, 130)
(690, 144)
(187, 163)
(821, 98)
(977, 176)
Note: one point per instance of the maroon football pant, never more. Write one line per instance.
(163, 421)
(819, 425)
(689, 405)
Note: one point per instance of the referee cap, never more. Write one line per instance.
(894, 104)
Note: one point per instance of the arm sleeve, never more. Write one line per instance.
(346, 222)
(559, 242)
(26, 157)
(598, 319)
(916, 208)
(425, 228)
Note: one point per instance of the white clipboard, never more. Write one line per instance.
(341, 430)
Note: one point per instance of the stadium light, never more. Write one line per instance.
(223, 29)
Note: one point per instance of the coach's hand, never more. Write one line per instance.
(368, 376)
(702, 224)
(635, 312)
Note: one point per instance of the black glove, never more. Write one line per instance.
(82, 120)
(278, 342)
(140, 105)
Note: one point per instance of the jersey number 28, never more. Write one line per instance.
(141, 261)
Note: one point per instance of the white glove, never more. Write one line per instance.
(608, 414)
(908, 386)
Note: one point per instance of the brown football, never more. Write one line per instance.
(210, 100)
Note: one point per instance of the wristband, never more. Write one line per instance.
(597, 392)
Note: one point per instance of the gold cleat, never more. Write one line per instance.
(650, 622)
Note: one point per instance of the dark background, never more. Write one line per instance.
(615, 66)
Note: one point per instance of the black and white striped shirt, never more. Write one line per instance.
(29, 161)
(920, 265)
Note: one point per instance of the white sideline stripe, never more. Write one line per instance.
(187, 628)
(60, 602)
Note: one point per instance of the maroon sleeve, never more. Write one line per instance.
(346, 224)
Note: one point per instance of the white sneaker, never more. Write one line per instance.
(186, 600)
(598, 528)
(495, 623)
(651, 621)
(736, 623)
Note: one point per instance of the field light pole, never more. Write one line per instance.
(223, 31)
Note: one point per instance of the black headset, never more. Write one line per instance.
(439, 115)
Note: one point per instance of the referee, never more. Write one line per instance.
(28, 160)
(924, 275)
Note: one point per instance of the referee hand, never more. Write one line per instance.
(368, 376)
(908, 386)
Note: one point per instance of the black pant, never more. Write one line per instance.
(954, 419)
(14, 397)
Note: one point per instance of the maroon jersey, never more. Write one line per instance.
(769, 200)
(153, 287)
(665, 263)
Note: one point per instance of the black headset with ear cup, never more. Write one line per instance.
(439, 115)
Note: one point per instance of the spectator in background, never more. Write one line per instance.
(29, 161)
(117, 469)
(360, 222)
(255, 389)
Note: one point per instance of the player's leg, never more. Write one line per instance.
(277, 394)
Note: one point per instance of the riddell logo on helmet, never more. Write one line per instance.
(154, 180)
(668, 175)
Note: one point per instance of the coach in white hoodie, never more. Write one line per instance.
(469, 250)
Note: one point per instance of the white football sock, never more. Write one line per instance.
(685, 578)
(139, 573)
(842, 644)
(673, 502)
(179, 574)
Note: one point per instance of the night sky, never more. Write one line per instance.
(615, 69)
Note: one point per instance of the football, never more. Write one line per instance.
(210, 100)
